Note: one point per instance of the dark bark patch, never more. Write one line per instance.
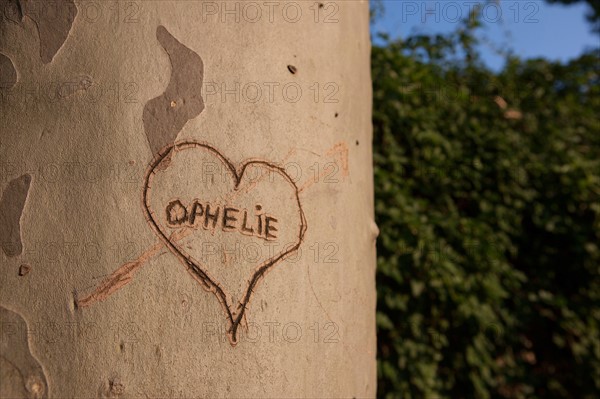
(53, 19)
(21, 374)
(8, 74)
(165, 115)
(12, 10)
(11, 208)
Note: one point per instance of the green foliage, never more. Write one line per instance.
(488, 203)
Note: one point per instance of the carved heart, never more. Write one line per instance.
(228, 226)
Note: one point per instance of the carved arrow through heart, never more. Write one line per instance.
(257, 191)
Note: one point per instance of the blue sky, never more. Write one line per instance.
(530, 28)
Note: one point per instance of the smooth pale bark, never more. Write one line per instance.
(121, 120)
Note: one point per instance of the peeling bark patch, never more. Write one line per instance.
(115, 387)
(8, 74)
(24, 270)
(80, 83)
(11, 208)
(165, 115)
(53, 20)
(20, 371)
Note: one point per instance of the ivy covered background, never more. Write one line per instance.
(488, 202)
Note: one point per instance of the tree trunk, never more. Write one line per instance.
(186, 201)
